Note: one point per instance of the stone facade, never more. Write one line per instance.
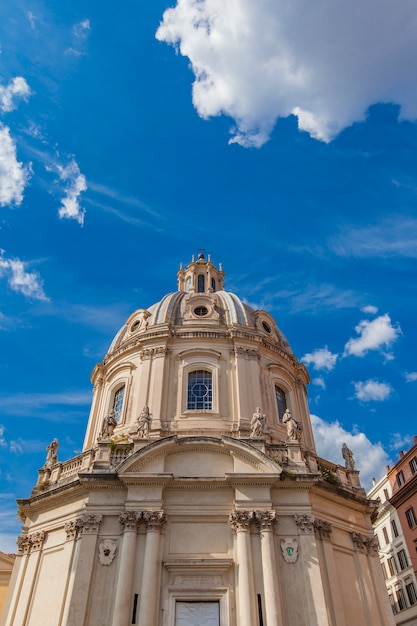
(198, 491)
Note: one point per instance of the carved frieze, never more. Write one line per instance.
(149, 353)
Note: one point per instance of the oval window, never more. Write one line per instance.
(266, 327)
(201, 311)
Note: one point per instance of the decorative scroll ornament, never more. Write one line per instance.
(23, 545)
(73, 528)
(304, 522)
(289, 549)
(106, 551)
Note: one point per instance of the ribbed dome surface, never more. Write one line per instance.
(171, 310)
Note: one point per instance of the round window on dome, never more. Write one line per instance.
(266, 327)
(135, 326)
(201, 311)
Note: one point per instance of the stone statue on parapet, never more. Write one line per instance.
(348, 457)
(257, 423)
(294, 428)
(144, 422)
(109, 424)
(51, 456)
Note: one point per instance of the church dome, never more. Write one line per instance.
(199, 361)
(200, 299)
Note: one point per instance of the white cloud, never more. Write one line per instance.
(27, 283)
(370, 390)
(400, 442)
(321, 359)
(410, 377)
(3, 443)
(324, 61)
(370, 458)
(319, 381)
(373, 335)
(17, 88)
(81, 29)
(14, 176)
(372, 310)
(75, 184)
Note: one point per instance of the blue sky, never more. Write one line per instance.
(280, 139)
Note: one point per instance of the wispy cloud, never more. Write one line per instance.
(25, 403)
(373, 335)
(370, 458)
(319, 382)
(20, 280)
(82, 29)
(14, 176)
(400, 441)
(75, 184)
(320, 359)
(372, 391)
(396, 236)
(17, 89)
(410, 377)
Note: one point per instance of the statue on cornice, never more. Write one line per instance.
(144, 423)
(109, 424)
(294, 428)
(348, 457)
(257, 423)
(51, 456)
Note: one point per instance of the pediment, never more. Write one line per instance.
(198, 457)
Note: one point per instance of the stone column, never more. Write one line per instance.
(331, 582)
(266, 521)
(312, 580)
(240, 521)
(72, 531)
(151, 569)
(123, 601)
(89, 524)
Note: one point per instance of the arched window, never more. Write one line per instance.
(213, 284)
(188, 284)
(200, 390)
(200, 283)
(281, 401)
(118, 402)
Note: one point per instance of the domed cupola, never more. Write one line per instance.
(199, 361)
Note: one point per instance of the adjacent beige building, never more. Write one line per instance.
(198, 497)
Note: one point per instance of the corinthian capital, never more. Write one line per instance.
(304, 522)
(241, 520)
(265, 519)
(154, 520)
(129, 519)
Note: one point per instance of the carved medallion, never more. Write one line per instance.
(289, 549)
(106, 551)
